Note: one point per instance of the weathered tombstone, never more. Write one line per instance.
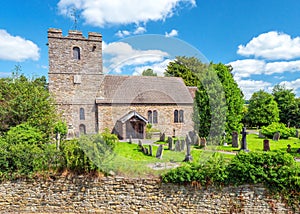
(288, 148)
(140, 144)
(235, 139)
(150, 150)
(170, 143)
(57, 141)
(182, 145)
(203, 142)
(266, 145)
(177, 146)
(260, 135)
(162, 137)
(244, 140)
(188, 157)
(130, 139)
(297, 133)
(159, 152)
(276, 136)
(145, 151)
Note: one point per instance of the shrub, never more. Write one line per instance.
(24, 133)
(284, 131)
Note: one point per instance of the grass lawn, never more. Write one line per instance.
(256, 144)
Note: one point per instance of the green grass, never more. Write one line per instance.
(255, 143)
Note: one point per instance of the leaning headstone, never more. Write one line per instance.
(162, 137)
(260, 135)
(140, 144)
(266, 145)
(276, 136)
(203, 142)
(235, 139)
(159, 152)
(150, 150)
(288, 148)
(188, 157)
(177, 146)
(170, 143)
(182, 145)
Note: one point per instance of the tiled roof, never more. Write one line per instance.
(131, 114)
(143, 90)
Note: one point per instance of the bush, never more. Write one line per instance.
(24, 133)
(284, 131)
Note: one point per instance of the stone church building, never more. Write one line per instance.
(91, 101)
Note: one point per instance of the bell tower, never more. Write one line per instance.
(75, 75)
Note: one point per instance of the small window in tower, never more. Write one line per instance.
(155, 116)
(81, 114)
(76, 53)
(176, 116)
(181, 117)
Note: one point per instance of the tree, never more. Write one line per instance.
(287, 105)
(215, 83)
(262, 110)
(149, 72)
(26, 101)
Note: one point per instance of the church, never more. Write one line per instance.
(91, 101)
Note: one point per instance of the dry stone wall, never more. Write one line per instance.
(120, 195)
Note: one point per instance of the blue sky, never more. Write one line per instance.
(259, 38)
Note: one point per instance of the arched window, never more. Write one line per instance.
(76, 53)
(154, 116)
(181, 118)
(81, 114)
(176, 116)
(82, 129)
(150, 119)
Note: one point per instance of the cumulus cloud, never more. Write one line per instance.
(15, 48)
(272, 46)
(139, 30)
(172, 33)
(250, 86)
(117, 55)
(107, 12)
(124, 33)
(158, 68)
(295, 84)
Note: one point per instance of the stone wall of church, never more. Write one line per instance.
(109, 114)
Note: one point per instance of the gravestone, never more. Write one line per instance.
(224, 138)
(182, 145)
(203, 142)
(140, 144)
(235, 139)
(188, 157)
(276, 136)
(297, 133)
(150, 150)
(177, 146)
(288, 148)
(298, 151)
(170, 143)
(145, 151)
(162, 137)
(260, 135)
(266, 145)
(159, 152)
(244, 140)
(130, 139)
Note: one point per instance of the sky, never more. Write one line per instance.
(260, 39)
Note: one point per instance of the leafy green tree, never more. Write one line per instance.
(213, 82)
(287, 105)
(26, 101)
(149, 72)
(262, 110)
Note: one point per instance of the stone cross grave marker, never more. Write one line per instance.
(170, 143)
(177, 146)
(235, 139)
(188, 157)
(276, 136)
(244, 140)
(266, 145)
(159, 152)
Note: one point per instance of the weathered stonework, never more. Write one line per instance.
(120, 195)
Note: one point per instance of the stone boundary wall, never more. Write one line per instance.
(121, 195)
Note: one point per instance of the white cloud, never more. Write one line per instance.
(120, 54)
(272, 46)
(124, 33)
(110, 12)
(295, 84)
(250, 86)
(139, 30)
(247, 67)
(158, 68)
(15, 48)
(172, 33)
